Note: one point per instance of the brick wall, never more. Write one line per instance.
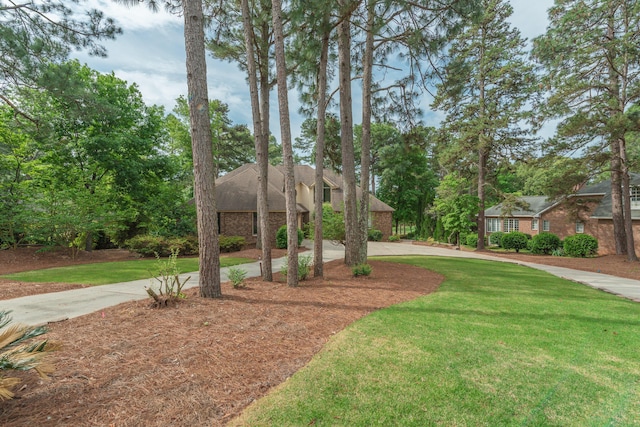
(383, 221)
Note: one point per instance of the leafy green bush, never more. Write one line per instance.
(332, 224)
(545, 243)
(147, 245)
(304, 267)
(231, 243)
(187, 245)
(471, 240)
(514, 240)
(237, 276)
(281, 237)
(495, 238)
(374, 235)
(558, 252)
(580, 245)
(361, 270)
(394, 238)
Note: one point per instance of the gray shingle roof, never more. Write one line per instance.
(536, 205)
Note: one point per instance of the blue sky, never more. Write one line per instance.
(151, 54)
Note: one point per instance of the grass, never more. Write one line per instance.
(497, 345)
(112, 272)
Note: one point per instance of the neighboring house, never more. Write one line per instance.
(236, 200)
(587, 211)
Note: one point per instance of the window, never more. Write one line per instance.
(254, 224)
(511, 224)
(493, 225)
(545, 225)
(534, 224)
(326, 193)
(579, 227)
(219, 229)
(635, 197)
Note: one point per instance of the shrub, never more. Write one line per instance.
(514, 240)
(231, 243)
(304, 267)
(394, 238)
(545, 243)
(374, 235)
(237, 276)
(168, 275)
(281, 237)
(580, 245)
(20, 352)
(361, 270)
(147, 245)
(495, 238)
(187, 245)
(558, 252)
(471, 240)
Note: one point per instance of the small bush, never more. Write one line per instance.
(374, 235)
(580, 245)
(495, 238)
(304, 267)
(231, 243)
(281, 237)
(514, 240)
(394, 238)
(168, 275)
(558, 252)
(237, 276)
(545, 243)
(471, 240)
(187, 245)
(361, 270)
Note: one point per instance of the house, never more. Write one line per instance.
(587, 211)
(236, 200)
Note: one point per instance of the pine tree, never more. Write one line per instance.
(487, 84)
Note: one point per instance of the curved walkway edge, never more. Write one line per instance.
(59, 306)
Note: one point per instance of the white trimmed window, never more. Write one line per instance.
(511, 224)
(493, 225)
(534, 224)
(579, 227)
(545, 225)
(635, 197)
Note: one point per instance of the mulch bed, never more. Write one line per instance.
(201, 363)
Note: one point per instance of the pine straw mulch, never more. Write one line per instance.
(201, 363)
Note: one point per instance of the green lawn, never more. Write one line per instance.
(112, 272)
(497, 345)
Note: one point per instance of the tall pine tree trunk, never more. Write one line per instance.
(318, 262)
(352, 243)
(287, 148)
(626, 194)
(262, 149)
(365, 159)
(203, 170)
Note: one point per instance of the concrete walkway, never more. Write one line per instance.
(57, 306)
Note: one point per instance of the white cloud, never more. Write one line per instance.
(135, 17)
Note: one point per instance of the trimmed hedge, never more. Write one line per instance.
(580, 245)
(471, 240)
(545, 243)
(496, 237)
(281, 237)
(514, 240)
(149, 246)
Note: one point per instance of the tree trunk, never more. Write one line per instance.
(287, 148)
(626, 195)
(204, 182)
(365, 158)
(617, 212)
(482, 171)
(351, 250)
(262, 149)
(318, 262)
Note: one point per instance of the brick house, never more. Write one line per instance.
(236, 200)
(587, 211)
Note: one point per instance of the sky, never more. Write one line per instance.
(150, 53)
